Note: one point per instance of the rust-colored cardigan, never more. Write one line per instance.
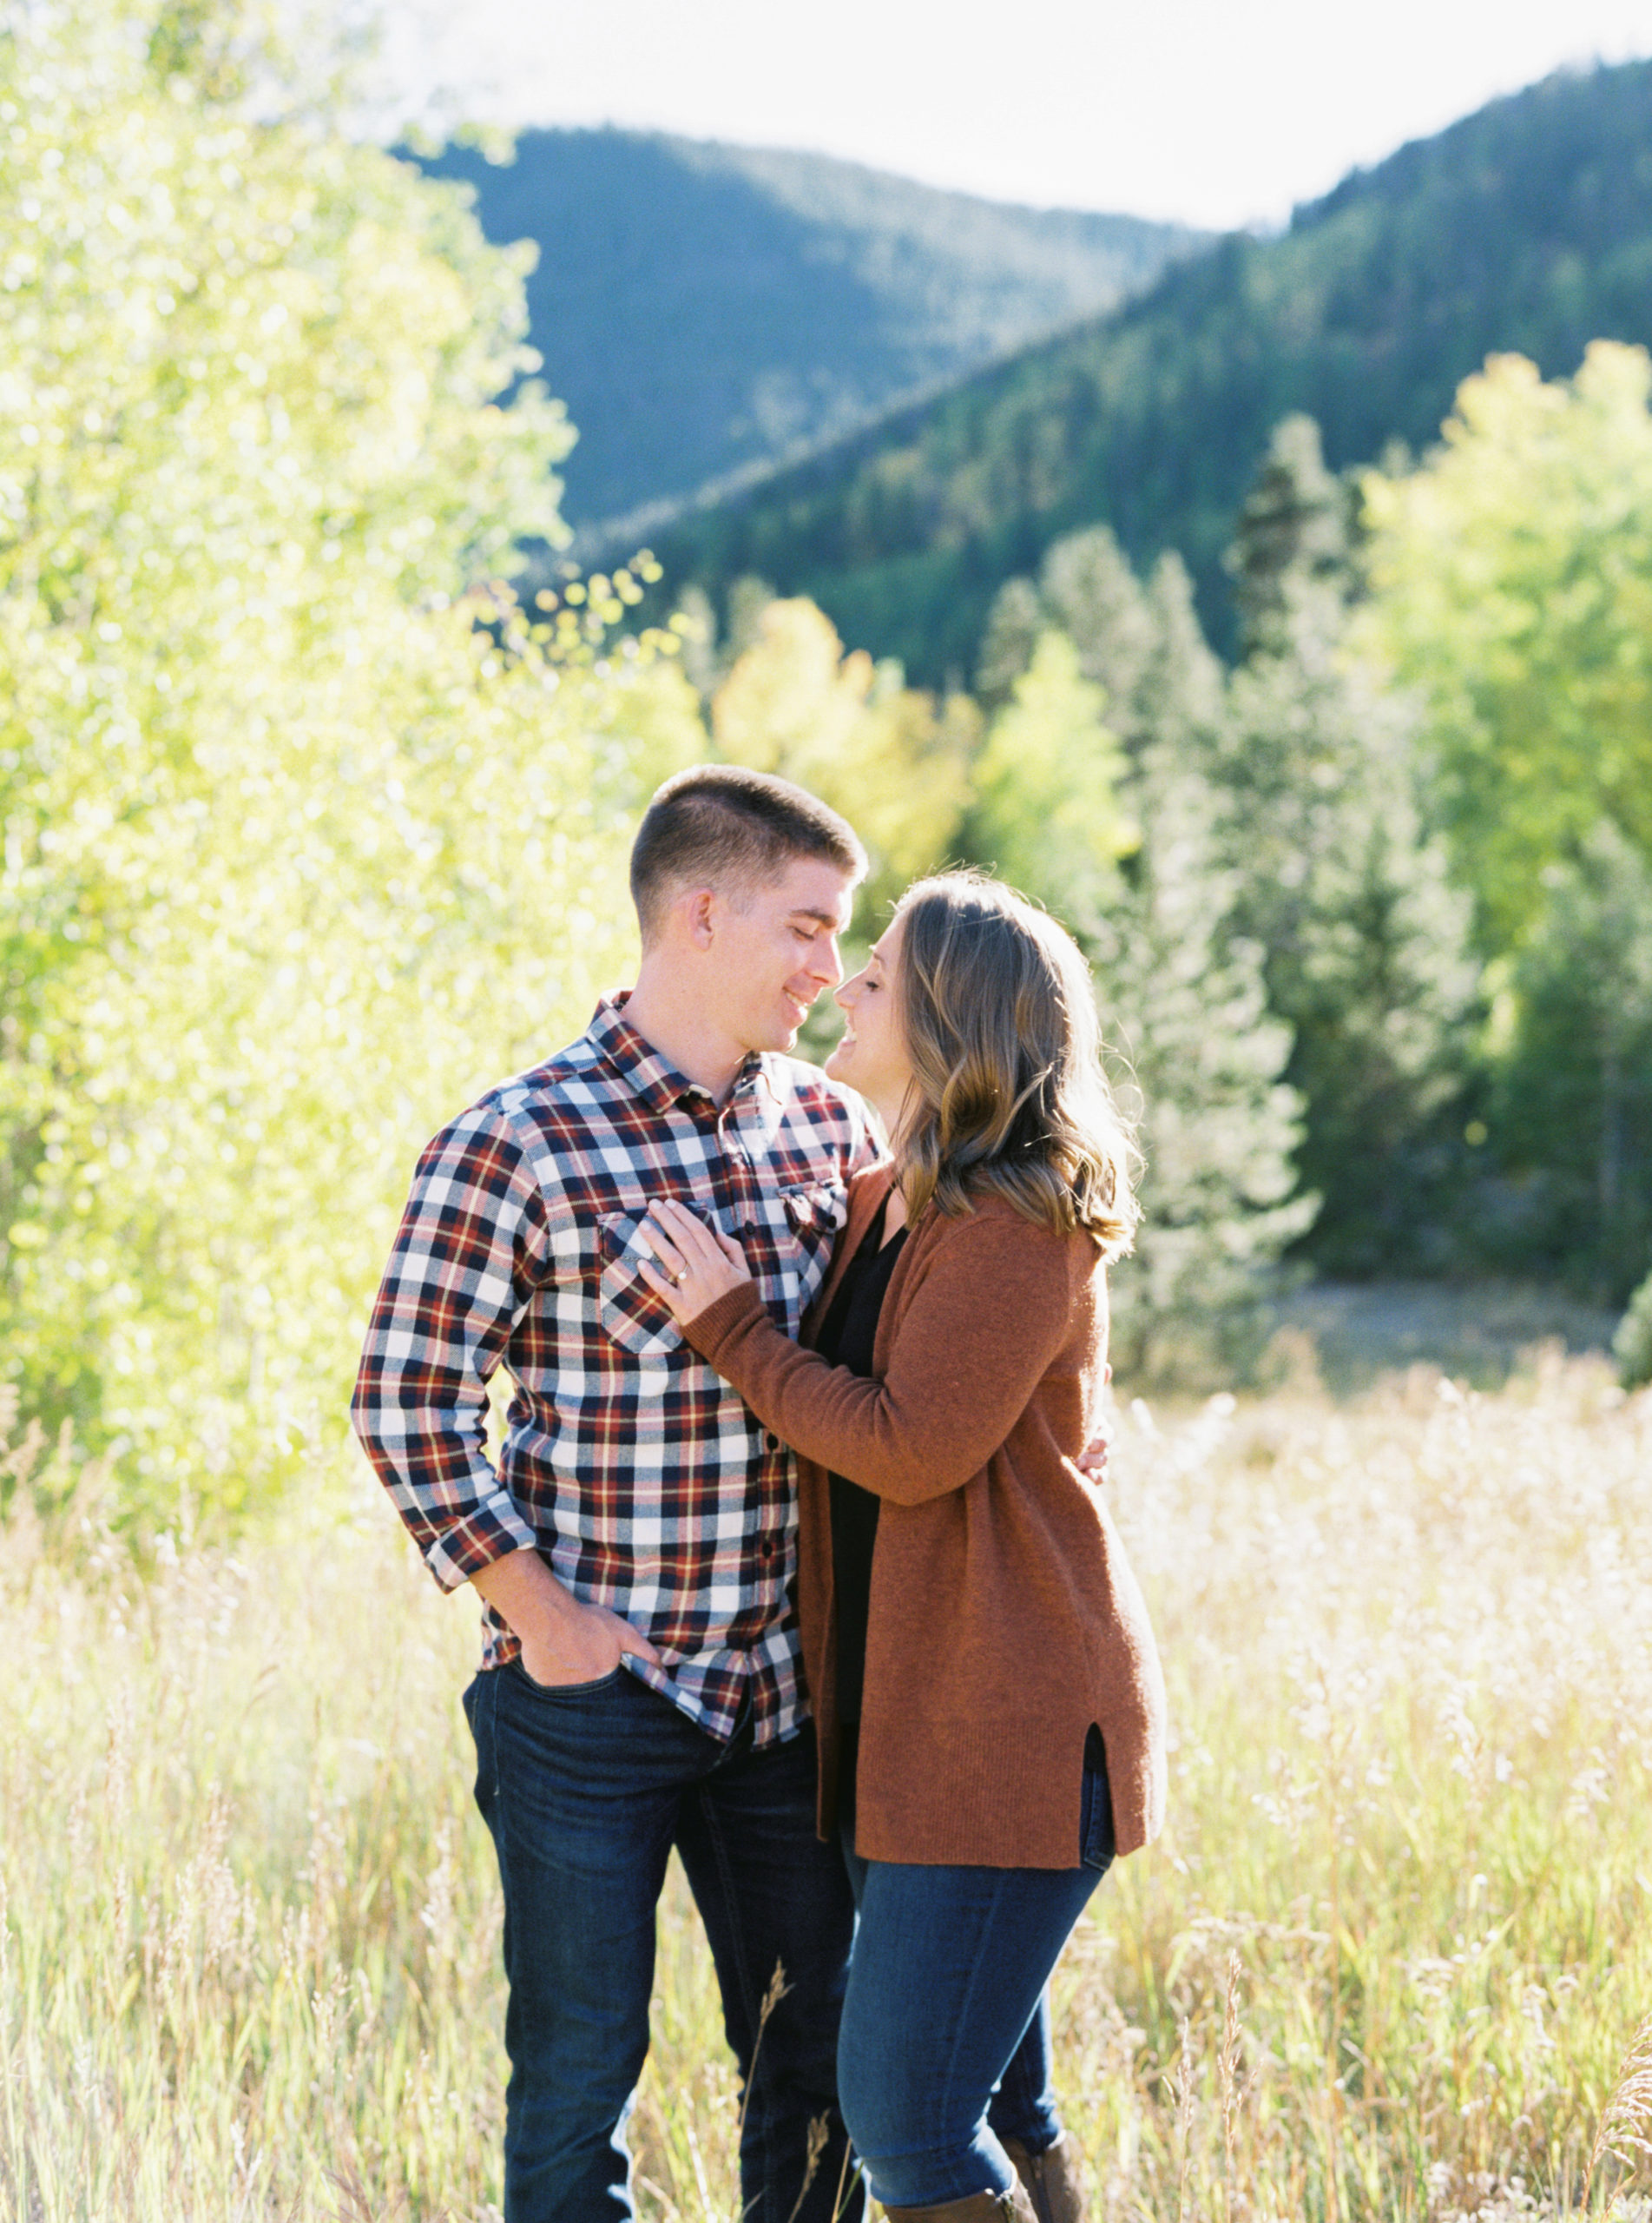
(1004, 1617)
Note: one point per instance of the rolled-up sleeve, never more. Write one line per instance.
(471, 1251)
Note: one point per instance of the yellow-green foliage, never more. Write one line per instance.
(1512, 574)
(296, 858)
(250, 1944)
(1046, 811)
(889, 758)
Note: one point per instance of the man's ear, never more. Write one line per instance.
(702, 906)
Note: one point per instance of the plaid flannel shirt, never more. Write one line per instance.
(627, 1461)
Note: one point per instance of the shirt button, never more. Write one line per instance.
(766, 1549)
(773, 1442)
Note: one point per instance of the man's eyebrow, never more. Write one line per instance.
(825, 917)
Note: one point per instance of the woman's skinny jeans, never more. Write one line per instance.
(943, 2050)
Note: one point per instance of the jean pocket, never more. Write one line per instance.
(1097, 1845)
(556, 1692)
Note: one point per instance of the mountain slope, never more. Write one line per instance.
(1528, 226)
(704, 310)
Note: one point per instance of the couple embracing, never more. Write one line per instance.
(788, 1561)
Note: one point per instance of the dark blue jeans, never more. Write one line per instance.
(943, 2050)
(586, 1790)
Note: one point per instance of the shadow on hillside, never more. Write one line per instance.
(1359, 1331)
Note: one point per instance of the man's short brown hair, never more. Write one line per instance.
(721, 826)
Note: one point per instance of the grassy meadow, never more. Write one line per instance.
(1388, 1960)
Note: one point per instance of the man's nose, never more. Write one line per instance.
(828, 967)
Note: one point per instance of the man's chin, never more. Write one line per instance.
(777, 1039)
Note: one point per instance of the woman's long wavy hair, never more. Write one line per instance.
(1002, 1033)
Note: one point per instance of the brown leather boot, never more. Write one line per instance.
(1011, 2206)
(1051, 2179)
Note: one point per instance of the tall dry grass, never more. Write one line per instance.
(1387, 1960)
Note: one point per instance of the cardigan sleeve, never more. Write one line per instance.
(975, 1335)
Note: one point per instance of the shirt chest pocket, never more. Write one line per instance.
(811, 1220)
(789, 1253)
(632, 1315)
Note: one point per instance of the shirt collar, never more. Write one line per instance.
(644, 1071)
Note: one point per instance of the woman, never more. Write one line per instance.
(987, 1694)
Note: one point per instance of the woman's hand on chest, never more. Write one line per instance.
(693, 1265)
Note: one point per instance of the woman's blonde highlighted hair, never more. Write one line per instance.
(1002, 1033)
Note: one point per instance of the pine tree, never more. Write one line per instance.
(1295, 526)
(1221, 1123)
(1364, 939)
(1087, 586)
(1014, 623)
(1179, 689)
(1185, 1000)
(1182, 999)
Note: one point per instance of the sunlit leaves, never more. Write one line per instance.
(1513, 578)
(1047, 807)
(893, 761)
(301, 844)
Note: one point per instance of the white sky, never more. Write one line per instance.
(1220, 112)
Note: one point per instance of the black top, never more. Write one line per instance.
(846, 1337)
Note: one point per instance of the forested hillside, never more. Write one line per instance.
(1527, 227)
(704, 310)
(314, 827)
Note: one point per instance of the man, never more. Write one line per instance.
(639, 1686)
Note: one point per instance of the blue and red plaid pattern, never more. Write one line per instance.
(632, 1467)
